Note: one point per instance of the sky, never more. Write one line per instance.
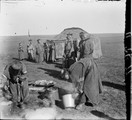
(47, 17)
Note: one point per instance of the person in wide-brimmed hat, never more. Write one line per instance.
(16, 83)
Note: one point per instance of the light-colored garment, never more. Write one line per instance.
(31, 51)
(39, 52)
(20, 53)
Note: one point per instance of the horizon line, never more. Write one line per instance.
(52, 34)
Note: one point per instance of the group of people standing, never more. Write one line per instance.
(74, 50)
(82, 72)
(39, 52)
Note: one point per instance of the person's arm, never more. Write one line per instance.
(76, 75)
(91, 47)
(5, 78)
(23, 75)
(79, 51)
(64, 55)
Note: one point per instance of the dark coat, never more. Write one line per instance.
(18, 94)
(85, 76)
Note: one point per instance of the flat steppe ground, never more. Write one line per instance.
(112, 101)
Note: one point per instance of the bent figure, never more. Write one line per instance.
(85, 77)
(84, 74)
(68, 52)
(16, 85)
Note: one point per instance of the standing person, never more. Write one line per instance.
(86, 46)
(16, 83)
(20, 52)
(68, 49)
(44, 54)
(53, 52)
(75, 46)
(47, 52)
(39, 51)
(31, 51)
(50, 52)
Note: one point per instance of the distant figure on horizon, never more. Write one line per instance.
(20, 52)
(39, 51)
(31, 51)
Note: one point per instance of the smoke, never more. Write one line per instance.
(42, 113)
(30, 114)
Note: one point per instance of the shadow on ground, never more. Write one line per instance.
(114, 85)
(59, 103)
(58, 65)
(101, 115)
(51, 72)
(25, 59)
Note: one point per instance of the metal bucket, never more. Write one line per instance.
(68, 101)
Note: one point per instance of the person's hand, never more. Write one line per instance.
(5, 87)
(22, 78)
(75, 95)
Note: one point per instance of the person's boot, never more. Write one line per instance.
(80, 106)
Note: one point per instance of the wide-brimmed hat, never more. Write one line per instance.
(16, 65)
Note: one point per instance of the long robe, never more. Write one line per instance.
(69, 54)
(20, 53)
(31, 52)
(84, 74)
(39, 52)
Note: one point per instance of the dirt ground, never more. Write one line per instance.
(112, 103)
